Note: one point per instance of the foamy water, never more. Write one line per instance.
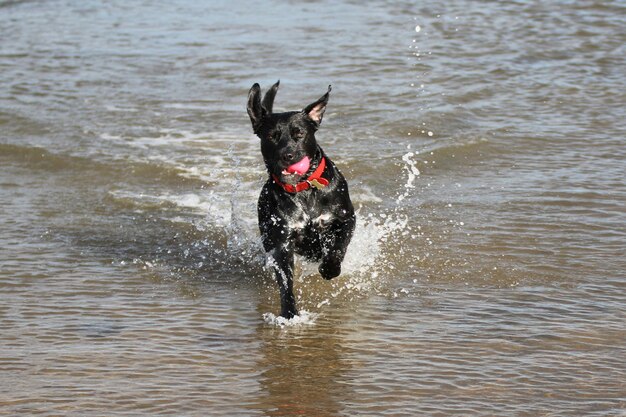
(303, 318)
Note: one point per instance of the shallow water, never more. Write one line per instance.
(484, 147)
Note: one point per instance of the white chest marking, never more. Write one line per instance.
(302, 221)
(323, 218)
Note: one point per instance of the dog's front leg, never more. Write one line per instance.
(281, 260)
(335, 244)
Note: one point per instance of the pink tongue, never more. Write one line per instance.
(299, 167)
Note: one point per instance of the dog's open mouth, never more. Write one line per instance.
(299, 168)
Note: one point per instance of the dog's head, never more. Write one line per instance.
(287, 139)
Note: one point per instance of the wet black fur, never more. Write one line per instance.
(315, 223)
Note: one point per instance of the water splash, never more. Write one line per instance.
(243, 239)
(412, 172)
(304, 318)
(228, 229)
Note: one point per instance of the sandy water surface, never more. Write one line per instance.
(484, 146)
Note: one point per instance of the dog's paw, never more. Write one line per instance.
(330, 269)
(289, 314)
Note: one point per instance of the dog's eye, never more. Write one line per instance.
(297, 133)
(274, 136)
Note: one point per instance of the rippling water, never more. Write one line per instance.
(484, 146)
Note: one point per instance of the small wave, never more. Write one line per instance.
(364, 194)
(188, 106)
(171, 137)
(456, 149)
(40, 158)
(113, 108)
(222, 158)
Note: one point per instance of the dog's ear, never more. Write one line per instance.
(255, 109)
(268, 99)
(316, 110)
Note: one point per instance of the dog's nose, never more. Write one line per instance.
(288, 157)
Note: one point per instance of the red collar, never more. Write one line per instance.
(316, 180)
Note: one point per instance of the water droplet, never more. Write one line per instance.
(418, 28)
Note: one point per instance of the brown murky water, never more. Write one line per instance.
(484, 146)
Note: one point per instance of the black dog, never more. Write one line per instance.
(304, 207)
